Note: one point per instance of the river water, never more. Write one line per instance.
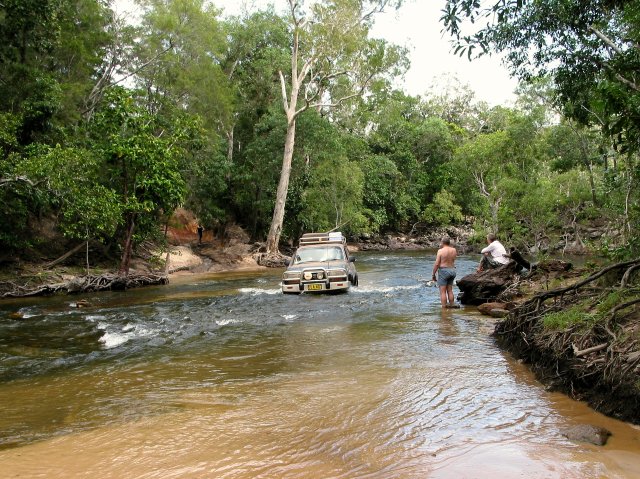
(223, 377)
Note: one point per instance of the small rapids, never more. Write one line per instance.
(223, 376)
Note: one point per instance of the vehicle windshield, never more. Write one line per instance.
(319, 253)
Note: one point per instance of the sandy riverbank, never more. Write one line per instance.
(184, 260)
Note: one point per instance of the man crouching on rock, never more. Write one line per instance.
(446, 269)
(494, 255)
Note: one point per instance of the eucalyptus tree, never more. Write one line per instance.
(333, 60)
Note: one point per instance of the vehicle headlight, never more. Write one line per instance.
(320, 275)
(308, 275)
(291, 275)
(336, 272)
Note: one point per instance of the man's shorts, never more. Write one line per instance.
(446, 276)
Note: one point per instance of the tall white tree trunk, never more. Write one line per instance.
(283, 186)
(310, 85)
(290, 103)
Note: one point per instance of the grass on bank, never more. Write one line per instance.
(568, 318)
(586, 313)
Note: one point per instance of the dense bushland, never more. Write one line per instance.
(107, 127)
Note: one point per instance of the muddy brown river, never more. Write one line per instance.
(224, 377)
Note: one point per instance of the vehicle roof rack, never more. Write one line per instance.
(334, 237)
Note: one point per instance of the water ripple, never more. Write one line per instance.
(228, 378)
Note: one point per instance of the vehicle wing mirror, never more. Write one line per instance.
(352, 260)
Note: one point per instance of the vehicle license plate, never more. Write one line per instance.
(314, 287)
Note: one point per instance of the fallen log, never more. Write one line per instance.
(89, 284)
(64, 256)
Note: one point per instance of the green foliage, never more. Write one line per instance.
(410, 163)
(9, 125)
(443, 211)
(88, 208)
(50, 54)
(256, 170)
(328, 193)
(589, 50)
(334, 197)
(183, 47)
(141, 163)
(613, 299)
(382, 182)
(197, 121)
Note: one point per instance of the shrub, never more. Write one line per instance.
(443, 211)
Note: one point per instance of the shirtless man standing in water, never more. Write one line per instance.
(446, 269)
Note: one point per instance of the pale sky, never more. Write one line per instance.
(416, 26)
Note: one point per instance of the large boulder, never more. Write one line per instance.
(483, 287)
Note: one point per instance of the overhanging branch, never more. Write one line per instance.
(19, 179)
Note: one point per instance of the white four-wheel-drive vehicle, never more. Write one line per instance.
(320, 264)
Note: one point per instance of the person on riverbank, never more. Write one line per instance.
(494, 255)
(200, 231)
(445, 269)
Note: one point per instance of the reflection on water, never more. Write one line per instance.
(222, 376)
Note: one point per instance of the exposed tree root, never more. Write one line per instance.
(84, 284)
(271, 260)
(596, 358)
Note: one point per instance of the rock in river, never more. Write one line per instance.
(478, 288)
(486, 308)
(499, 313)
(587, 433)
